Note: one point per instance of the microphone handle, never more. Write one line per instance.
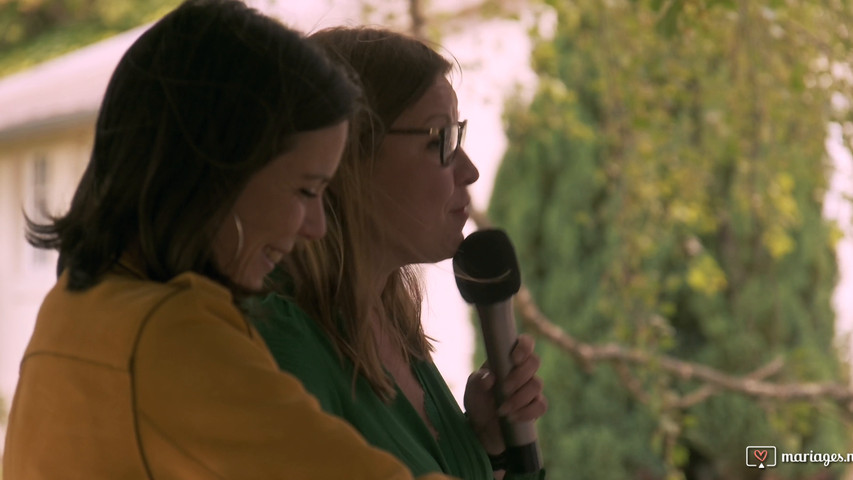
(500, 336)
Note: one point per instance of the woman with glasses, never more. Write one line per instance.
(346, 317)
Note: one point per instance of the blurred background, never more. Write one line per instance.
(675, 176)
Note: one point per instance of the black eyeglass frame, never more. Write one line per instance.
(445, 158)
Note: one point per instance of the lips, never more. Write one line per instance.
(464, 207)
(460, 216)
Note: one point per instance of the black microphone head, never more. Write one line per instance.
(486, 267)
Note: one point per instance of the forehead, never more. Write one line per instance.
(439, 100)
(314, 154)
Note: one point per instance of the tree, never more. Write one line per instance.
(33, 31)
(664, 191)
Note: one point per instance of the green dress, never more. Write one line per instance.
(301, 347)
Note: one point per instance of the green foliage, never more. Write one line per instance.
(664, 190)
(32, 31)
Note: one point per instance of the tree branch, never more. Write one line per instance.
(752, 384)
(416, 14)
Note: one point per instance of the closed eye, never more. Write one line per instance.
(308, 193)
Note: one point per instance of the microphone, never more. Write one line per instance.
(487, 275)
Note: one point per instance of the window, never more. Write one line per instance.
(38, 205)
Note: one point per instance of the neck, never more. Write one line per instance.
(383, 265)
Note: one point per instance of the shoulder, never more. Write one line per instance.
(299, 345)
(197, 314)
(120, 293)
(168, 307)
(281, 320)
(103, 323)
(195, 297)
(295, 339)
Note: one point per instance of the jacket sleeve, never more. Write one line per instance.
(211, 403)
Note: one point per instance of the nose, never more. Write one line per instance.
(466, 171)
(314, 223)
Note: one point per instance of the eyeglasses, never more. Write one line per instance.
(450, 138)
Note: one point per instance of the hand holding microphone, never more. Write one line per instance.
(505, 397)
(522, 394)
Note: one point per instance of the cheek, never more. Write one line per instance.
(416, 180)
(432, 191)
(292, 220)
(411, 185)
(225, 244)
(279, 221)
(418, 205)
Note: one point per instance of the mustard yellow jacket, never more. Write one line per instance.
(134, 379)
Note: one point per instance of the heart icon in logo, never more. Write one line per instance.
(761, 455)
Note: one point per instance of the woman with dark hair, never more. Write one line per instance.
(346, 319)
(218, 133)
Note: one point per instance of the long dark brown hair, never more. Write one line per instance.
(201, 101)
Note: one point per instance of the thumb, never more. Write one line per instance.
(484, 378)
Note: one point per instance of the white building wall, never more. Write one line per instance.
(27, 273)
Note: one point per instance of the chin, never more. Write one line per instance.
(454, 244)
(434, 251)
(251, 284)
(449, 249)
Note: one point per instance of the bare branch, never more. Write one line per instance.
(706, 391)
(631, 383)
(752, 384)
(418, 21)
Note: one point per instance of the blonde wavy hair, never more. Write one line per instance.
(331, 278)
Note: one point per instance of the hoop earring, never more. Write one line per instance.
(239, 225)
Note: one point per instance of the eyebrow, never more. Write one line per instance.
(316, 176)
(441, 116)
